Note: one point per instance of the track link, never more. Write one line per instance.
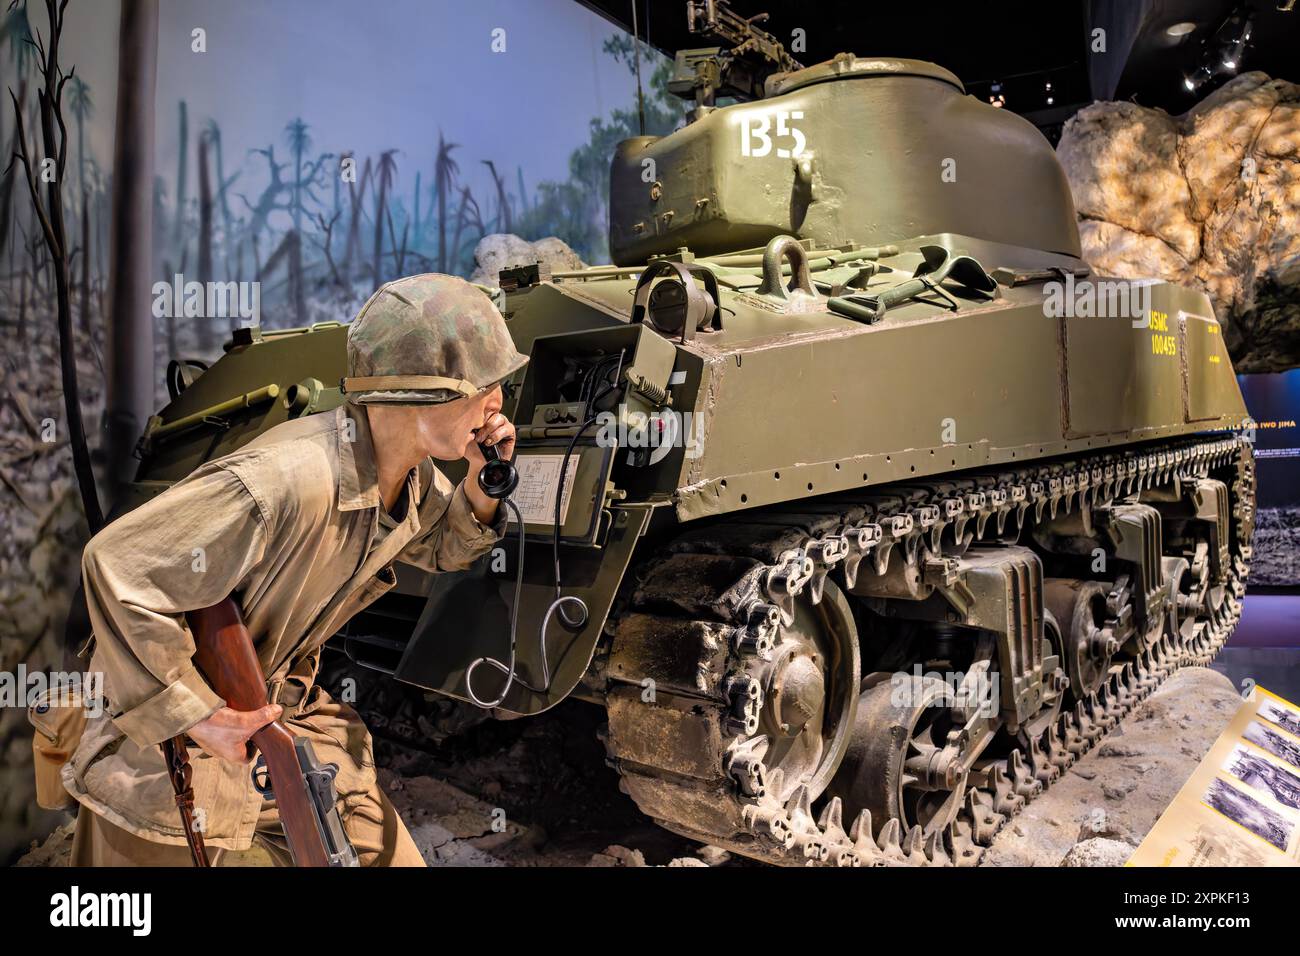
(704, 619)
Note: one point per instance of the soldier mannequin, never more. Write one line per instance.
(404, 435)
(302, 526)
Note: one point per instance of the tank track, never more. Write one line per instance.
(726, 589)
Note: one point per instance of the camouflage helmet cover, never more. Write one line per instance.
(427, 339)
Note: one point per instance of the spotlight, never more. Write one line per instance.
(1196, 79)
(1180, 29)
(1233, 52)
(1050, 101)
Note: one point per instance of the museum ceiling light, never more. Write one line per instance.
(1232, 55)
(1197, 78)
(1222, 52)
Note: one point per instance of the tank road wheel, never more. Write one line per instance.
(1080, 609)
(809, 700)
(902, 764)
(1186, 600)
(1054, 681)
(1210, 593)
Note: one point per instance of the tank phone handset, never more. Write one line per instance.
(498, 479)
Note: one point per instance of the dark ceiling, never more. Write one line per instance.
(1023, 45)
(974, 40)
(1152, 67)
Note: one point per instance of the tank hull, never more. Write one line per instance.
(778, 407)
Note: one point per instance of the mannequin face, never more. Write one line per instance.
(438, 431)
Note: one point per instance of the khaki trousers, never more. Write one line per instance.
(376, 831)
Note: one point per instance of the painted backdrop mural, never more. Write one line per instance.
(305, 153)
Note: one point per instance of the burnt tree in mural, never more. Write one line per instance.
(502, 222)
(205, 235)
(356, 197)
(444, 170)
(48, 170)
(299, 140)
(387, 170)
(223, 184)
(17, 34)
(182, 177)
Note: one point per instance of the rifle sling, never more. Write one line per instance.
(177, 758)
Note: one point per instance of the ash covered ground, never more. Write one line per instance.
(527, 792)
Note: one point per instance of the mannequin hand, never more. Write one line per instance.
(498, 432)
(225, 734)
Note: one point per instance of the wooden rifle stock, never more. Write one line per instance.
(224, 655)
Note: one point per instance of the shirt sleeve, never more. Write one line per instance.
(451, 538)
(186, 549)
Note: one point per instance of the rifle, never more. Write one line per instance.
(303, 788)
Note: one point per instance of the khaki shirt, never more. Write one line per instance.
(289, 523)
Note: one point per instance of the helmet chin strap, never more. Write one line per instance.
(406, 383)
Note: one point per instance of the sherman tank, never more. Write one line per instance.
(883, 509)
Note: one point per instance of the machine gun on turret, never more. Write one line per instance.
(739, 69)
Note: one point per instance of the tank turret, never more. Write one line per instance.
(853, 150)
